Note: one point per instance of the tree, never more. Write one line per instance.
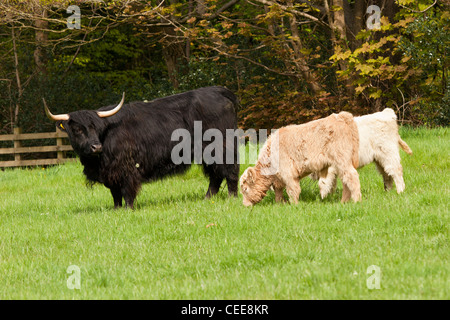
(289, 61)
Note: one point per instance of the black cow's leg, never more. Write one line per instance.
(232, 187)
(232, 179)
(230, 170)
(129, 200)
(129, 193)
(214, 186)
(117, 196)
(215, 179)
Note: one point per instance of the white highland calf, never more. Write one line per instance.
(295, 151)
(379, 142)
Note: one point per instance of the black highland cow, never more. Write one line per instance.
(124, 146)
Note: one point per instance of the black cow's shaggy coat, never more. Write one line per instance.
(134, 145)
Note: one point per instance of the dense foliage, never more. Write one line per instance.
(288, 61)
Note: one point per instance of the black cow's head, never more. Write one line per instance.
(84, 128)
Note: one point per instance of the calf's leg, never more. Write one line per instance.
(389, 161)
(278, 187)
(327, 181)
(387, 179)
(350, 183)
(293, 190)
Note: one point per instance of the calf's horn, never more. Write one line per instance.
(54, 117)
(104, 114)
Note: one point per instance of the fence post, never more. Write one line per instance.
(59, 142)
(17, 144)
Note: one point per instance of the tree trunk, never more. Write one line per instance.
(338, 23)
(300, 59)
(18, 81)
(272, 28)
(390, 9)
(41, 37)
(201, 7)
(359, 11)
(336, 20)
(174, 55)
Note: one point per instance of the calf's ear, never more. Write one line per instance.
(251, 175)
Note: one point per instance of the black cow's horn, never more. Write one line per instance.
(104, 114)
(54, 117)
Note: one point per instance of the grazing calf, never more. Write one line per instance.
(295, 151)
(379, 142)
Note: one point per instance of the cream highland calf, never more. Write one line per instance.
(379, 142)
(295, 151)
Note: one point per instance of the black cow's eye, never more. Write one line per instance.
(77, 131)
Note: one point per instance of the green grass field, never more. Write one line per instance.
(176, 245)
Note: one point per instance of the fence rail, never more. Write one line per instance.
(18, 150)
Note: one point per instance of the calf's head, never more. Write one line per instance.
(84, 128)
(253, 186)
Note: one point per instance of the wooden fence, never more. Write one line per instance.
(18, 150)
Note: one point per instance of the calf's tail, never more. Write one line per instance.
(404, 146)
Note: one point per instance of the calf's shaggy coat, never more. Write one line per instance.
(295, 151)
(379, 142)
